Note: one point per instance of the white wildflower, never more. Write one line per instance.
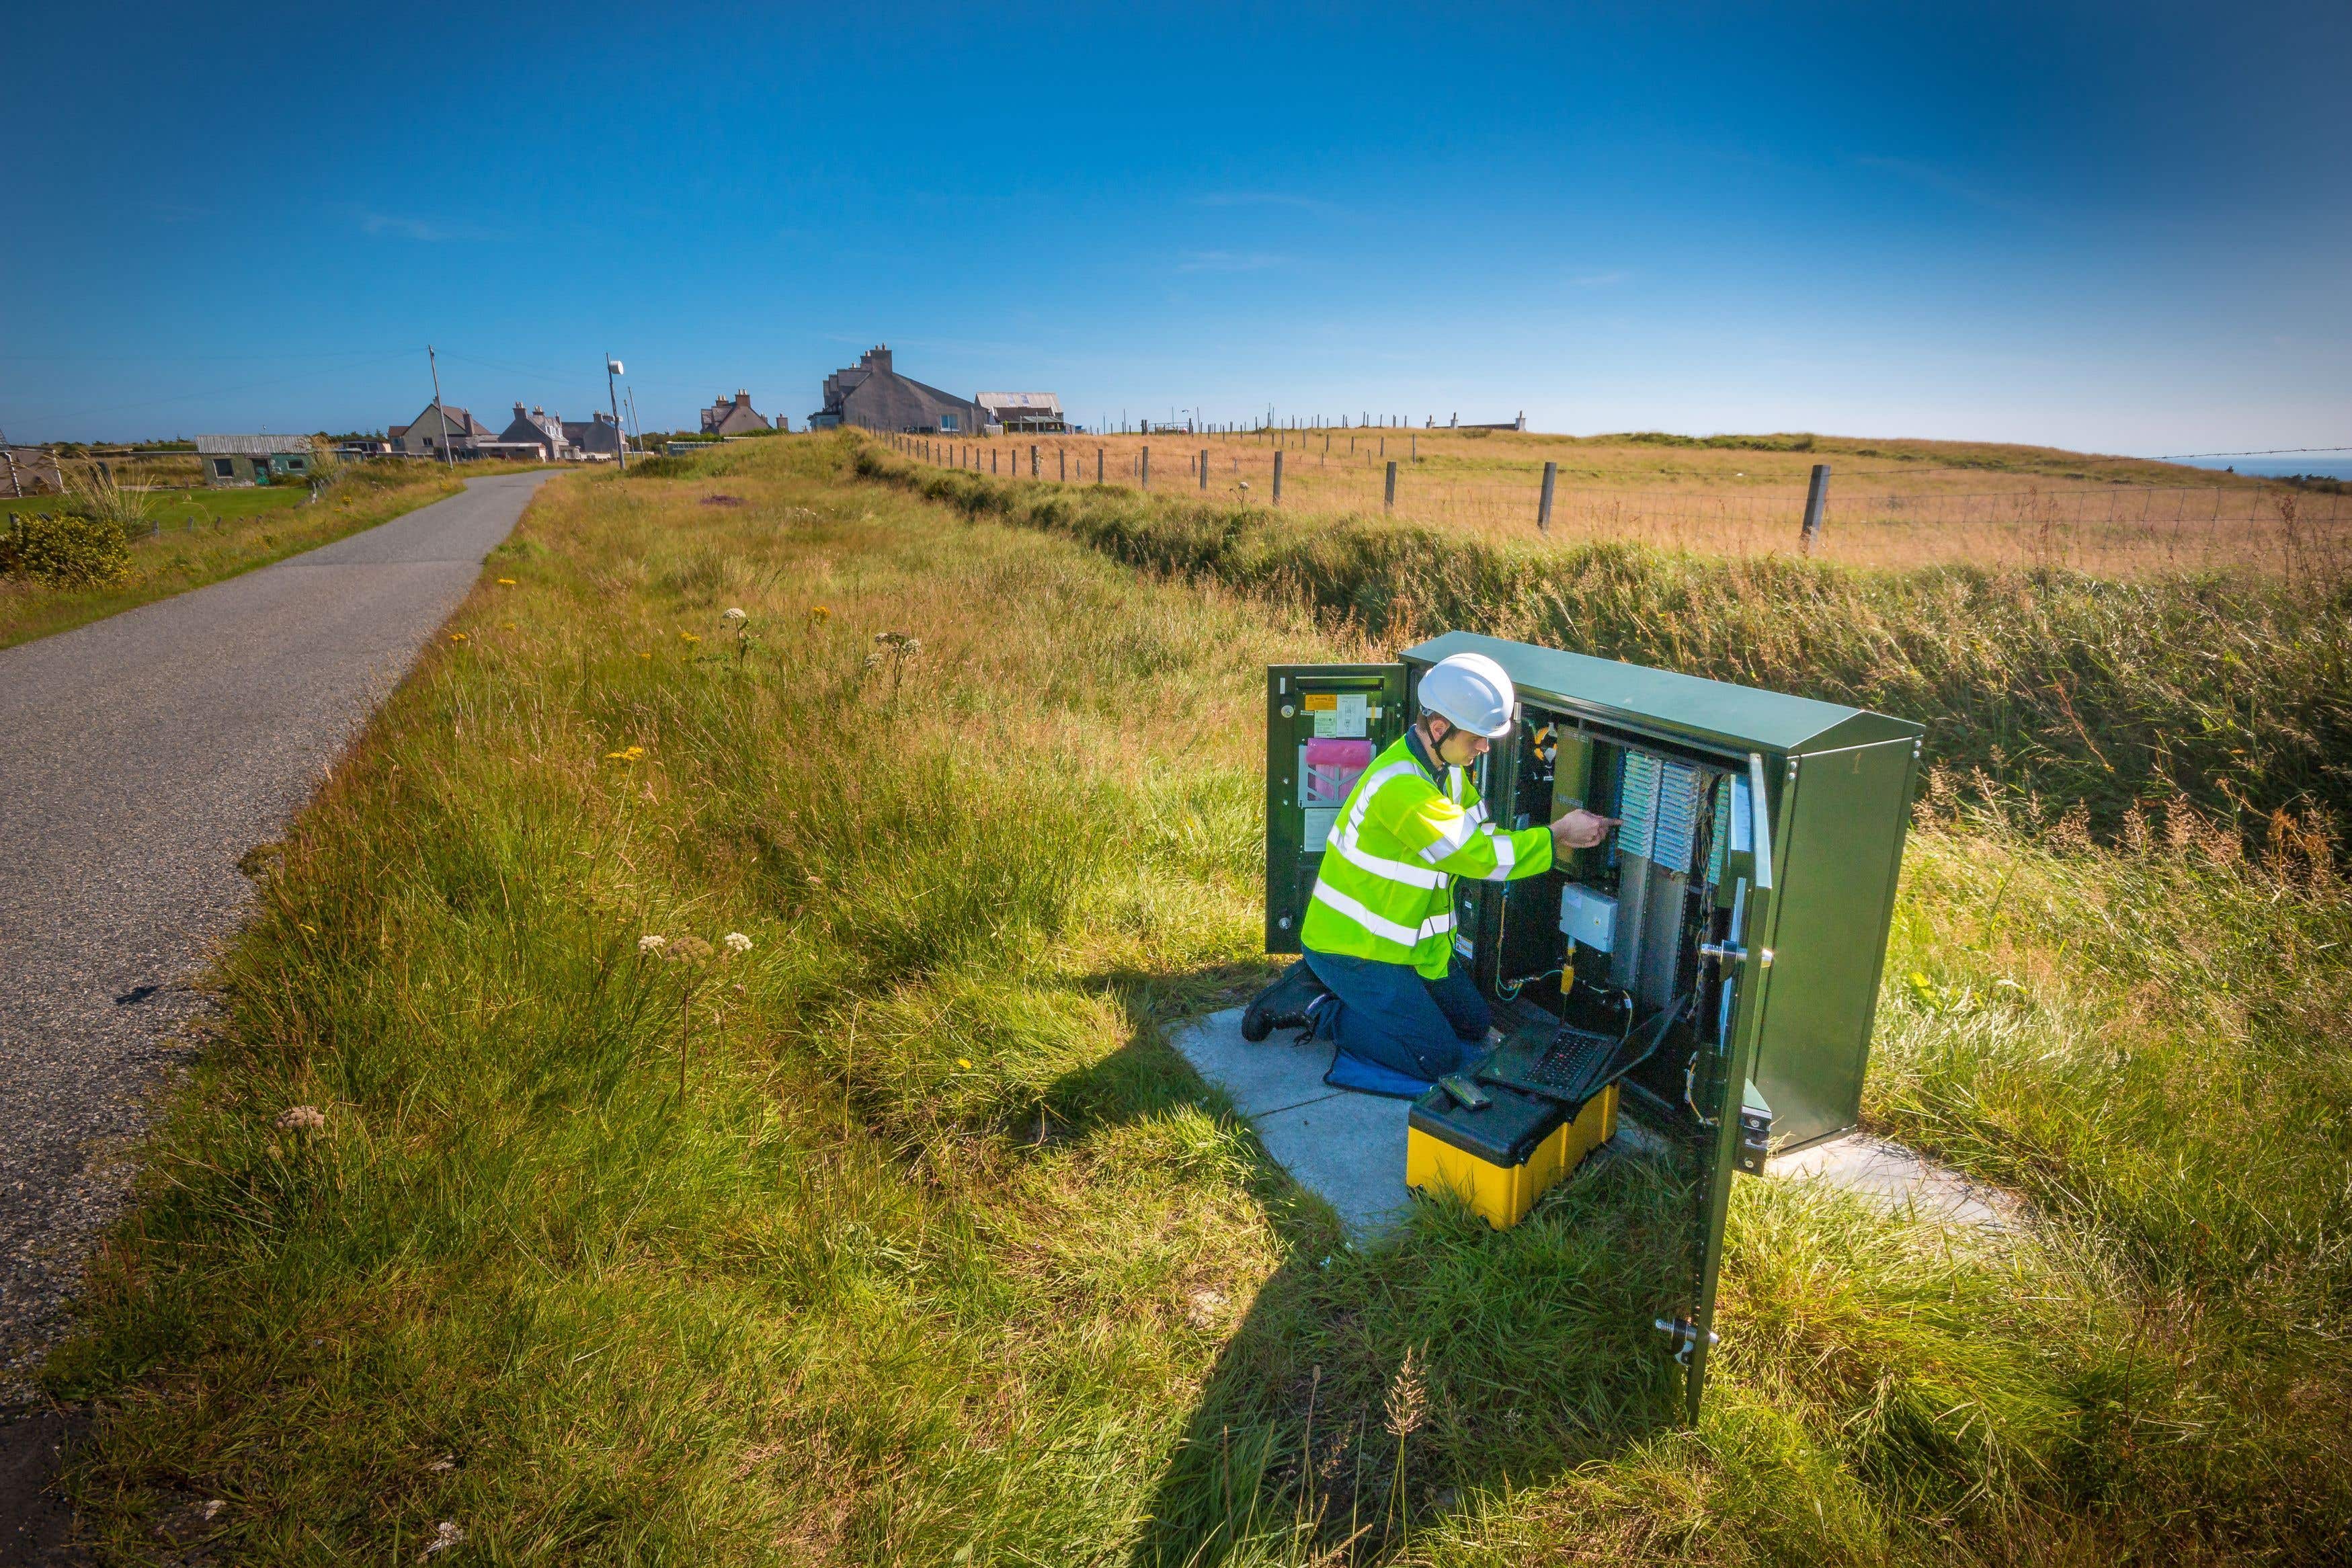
(444, 1536)
(737, 941)
(732, 614)
(652, 944)
(302, 1119)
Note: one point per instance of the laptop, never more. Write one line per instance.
(1571, 1065)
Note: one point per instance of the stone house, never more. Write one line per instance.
(732, 416)
(537, 427)
(439, 429)
(874, 396)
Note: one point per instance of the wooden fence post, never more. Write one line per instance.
(1062, 456)
(1817, 496)
(1204, 468)
(1388, 503)
(1032, 460)
(1543, 508)
(1098, 465)
(1278, 478)
(1146, 469)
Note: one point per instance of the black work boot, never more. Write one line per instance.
(1283, 1003)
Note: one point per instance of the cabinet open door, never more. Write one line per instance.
(1324, 724)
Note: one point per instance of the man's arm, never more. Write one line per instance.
(1449, 838)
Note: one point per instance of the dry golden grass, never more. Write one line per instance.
(1891, 504)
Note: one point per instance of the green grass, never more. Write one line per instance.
(924, 1248)
(204, 536)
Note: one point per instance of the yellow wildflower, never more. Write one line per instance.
(456, 636)
(688, 637)
(506, 582)
(963, 1062)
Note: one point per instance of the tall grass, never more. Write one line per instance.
(1907, 504)
(2054, 686)
(940, 1255)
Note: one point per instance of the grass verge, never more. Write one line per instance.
(902, 1236)
(204, 537)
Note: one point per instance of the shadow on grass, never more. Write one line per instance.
(1364, 1390)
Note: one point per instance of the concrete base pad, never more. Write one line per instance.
(1346, 1148)
(1349, 1148)
(1893, 1180)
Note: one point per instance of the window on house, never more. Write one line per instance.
(295, 464)
(222, 469)
(947, 422)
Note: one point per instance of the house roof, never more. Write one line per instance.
(889, 401)
(250, 446)
(1030, 402)
(461, 421)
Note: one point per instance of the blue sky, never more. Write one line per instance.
(2123, 228)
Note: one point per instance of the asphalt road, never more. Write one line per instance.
(141, 756)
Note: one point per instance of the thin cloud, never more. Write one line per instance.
(1228, 261)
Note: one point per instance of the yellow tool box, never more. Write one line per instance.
(1504, 1155)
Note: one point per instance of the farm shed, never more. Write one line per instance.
(1018, 412)
(235, 460)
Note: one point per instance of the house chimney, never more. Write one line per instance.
(741, 396)
(518, 411)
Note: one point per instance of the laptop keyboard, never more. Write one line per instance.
(1576, 1059)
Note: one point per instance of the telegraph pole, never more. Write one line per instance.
(438, 411)
(613, 368)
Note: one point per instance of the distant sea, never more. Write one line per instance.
(2334, 465)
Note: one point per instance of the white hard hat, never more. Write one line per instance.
(1470, 692)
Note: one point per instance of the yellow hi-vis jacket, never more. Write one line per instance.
(1386, 889)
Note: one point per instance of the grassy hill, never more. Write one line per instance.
(903, 1237)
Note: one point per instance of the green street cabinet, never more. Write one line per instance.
(1749, 890)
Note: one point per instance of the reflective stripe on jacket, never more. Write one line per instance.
(1386, 889)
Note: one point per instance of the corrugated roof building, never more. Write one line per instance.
(1024, 411)
(239, 460)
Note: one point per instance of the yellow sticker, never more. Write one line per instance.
(1322, 702)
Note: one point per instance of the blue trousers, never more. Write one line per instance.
(1387, 1014)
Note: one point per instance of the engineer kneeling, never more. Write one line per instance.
(1380, 981)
